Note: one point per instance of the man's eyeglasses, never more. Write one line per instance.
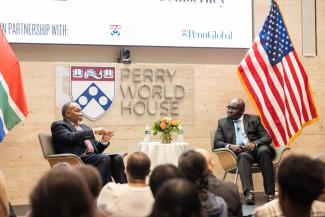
(232, 107)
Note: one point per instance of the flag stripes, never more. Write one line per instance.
(280, 93)
(276, 81)
(13, 108)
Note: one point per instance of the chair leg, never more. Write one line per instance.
(275, 174)
(224, 176)
(236, 176)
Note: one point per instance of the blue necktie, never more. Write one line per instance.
(239, 133)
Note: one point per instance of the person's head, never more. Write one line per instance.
(235, 108)
(138, 166)
(92, 177)
(161, 174)
(61, 165)
(301, 181)
(177, 197)
(194, 167)
(71, 111)
(207, 156)
(4, 203)
(61, 192)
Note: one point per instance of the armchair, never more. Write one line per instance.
(51, 156)
(228, 158)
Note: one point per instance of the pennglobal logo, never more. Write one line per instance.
(210, 34)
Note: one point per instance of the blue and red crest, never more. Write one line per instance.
(93, 88)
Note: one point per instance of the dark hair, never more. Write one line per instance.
(301, 179)
(92, 178)
(194, 167)
(65, 108)
(138, 165)
(177, 198)
(162, 173)
(61, 192)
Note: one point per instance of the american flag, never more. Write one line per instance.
(277, 82)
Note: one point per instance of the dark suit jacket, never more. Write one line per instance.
(66, 139)
(229, 192)
(253, 127)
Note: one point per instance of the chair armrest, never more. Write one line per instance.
(66, 157)
(279, 153)
(225, 150)
(227, 158)
(62, 155)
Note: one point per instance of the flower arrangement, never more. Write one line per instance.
(166, 126)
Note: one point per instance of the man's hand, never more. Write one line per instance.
(99, 131)
(235, 148)
(250, 147)
(107, 136)
(102, 131)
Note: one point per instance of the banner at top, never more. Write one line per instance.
(172, 23)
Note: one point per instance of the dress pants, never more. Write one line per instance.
(263, 156)
(108, 166)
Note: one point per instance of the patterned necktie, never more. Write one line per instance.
(239, 133)
(89, 145)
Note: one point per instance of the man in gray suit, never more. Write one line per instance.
(245, 135)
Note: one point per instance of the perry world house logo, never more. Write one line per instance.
(93, 88)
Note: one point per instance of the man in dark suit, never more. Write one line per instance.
(245, 135)
(227, 190)
(70, 136)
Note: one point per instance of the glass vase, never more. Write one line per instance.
(166, 137)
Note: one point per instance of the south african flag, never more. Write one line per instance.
(13, 108)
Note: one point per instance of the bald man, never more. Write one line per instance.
(245, 135)
(227, 190)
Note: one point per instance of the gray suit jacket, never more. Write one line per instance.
(229, 192)
(253, 127)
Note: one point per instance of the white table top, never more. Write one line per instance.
(160, 153)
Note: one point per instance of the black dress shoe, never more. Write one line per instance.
(270, 197)
(250, 198)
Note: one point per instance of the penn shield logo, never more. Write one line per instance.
(93, 88)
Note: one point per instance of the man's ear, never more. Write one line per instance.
(67, 114)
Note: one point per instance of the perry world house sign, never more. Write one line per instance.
(93, 88)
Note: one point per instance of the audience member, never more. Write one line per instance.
(61, 192)
(4, 202)
(61, 165)
(194, 167)
(245, 135)
(133, 199)
(321, 157)
(71, 136)
(162, 173)
(177, 198)
(227, 190)
(301, 181)
(93, 181)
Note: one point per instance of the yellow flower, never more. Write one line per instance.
(174, 122)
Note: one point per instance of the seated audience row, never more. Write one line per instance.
(187, 190)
